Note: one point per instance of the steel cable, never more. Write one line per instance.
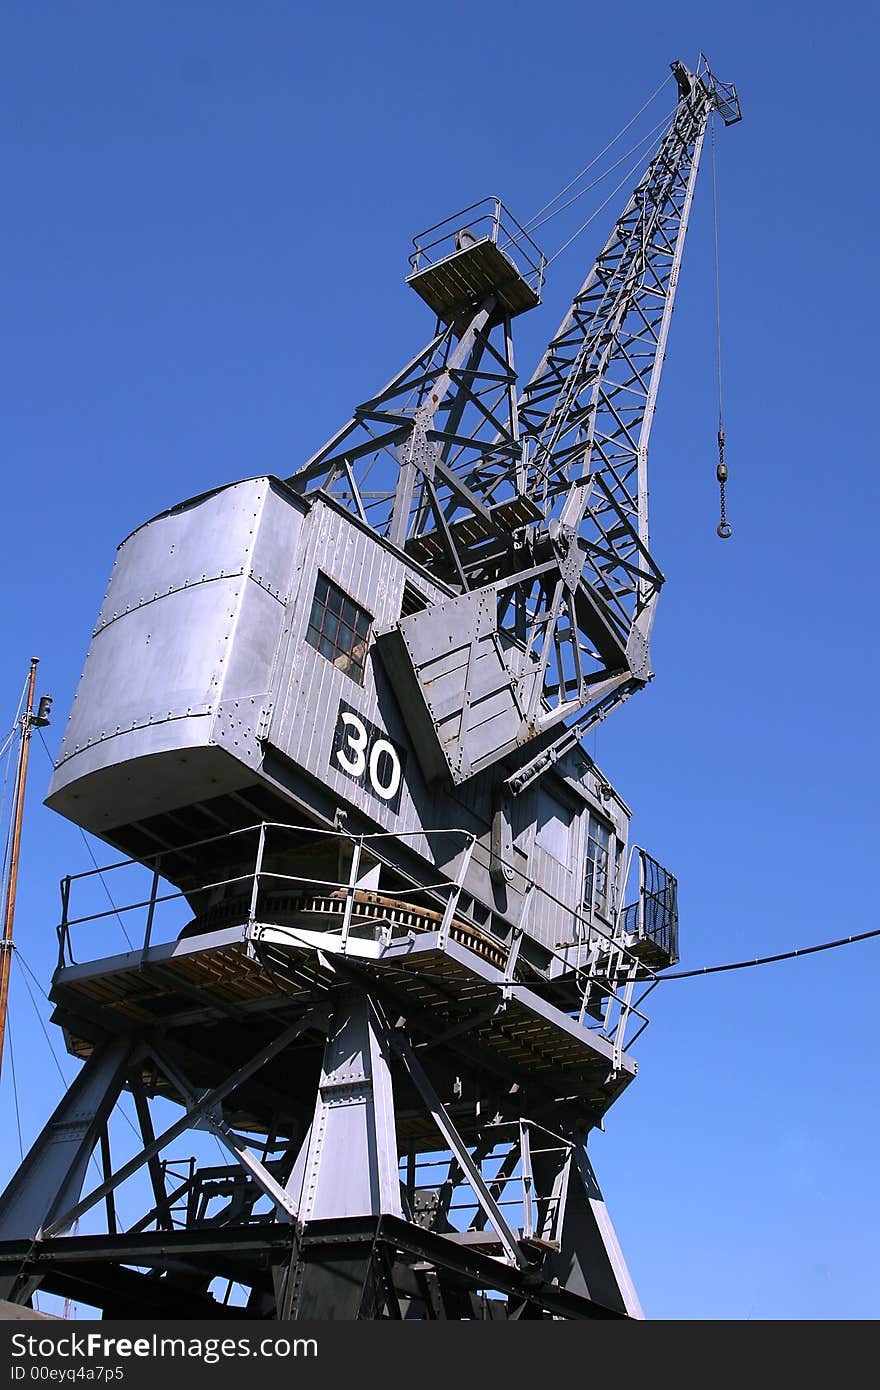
(724, 529)
(769, 960)
(600, 178)
(533, 221)
(634, 168)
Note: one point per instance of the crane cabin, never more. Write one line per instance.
(236, 676)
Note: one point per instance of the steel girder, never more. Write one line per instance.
(354, 1228)
(350, 1268)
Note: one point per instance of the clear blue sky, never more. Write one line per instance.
(207, 211)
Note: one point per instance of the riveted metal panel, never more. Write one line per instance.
(144, 667)
(313, 695)
(194, 543)
(311, 689)
(183, 651)
(467, 684)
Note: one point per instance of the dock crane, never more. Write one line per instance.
(389, 958)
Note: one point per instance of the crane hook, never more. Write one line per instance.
(725, 530)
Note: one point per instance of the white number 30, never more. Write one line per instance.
(359, 757)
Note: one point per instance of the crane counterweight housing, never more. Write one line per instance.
(392, 909)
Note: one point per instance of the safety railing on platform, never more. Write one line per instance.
(524, 1167)
(486, 220)
(592, 978)
(653, 917)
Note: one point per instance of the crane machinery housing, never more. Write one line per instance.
(394, 939)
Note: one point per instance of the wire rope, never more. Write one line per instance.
(531, 224)
(595, 213)
(14, 1085)
(769, 960)
(600, 178)
(724, 528)
(91, 855)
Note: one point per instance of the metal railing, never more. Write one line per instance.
(653, 916)
(596, 970)
(508, 1170)
(441, 896)
(486, 220)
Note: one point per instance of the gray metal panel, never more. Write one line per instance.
(144, 667)
(192, 543)
(310, 688)
(161, 772)
(182, 654)
(452, 665)
(347, 1165)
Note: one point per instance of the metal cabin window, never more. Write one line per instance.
(599, 876)
(339, 628)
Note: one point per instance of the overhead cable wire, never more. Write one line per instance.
(15, 1087)
(17, 956)
(769, 960)
(21, 702)
(24, 964)
(17, 1112)
(724, 528)
(717, 279)
(600, 178)
(530, 225)
(595, 213)
(706, 969)
(106, 889)
(26, 967)
(91, 855)
(8, 840)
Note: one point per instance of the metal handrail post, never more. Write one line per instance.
(352, 882)
(452, 900)
(625, 1008)
(586, 971)
(151, 909)
(63, 925)
(513, 955)
(584, 997)
(527, 1179)
(621, 898)
(258, 868)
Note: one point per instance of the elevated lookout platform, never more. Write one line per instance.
(479, 252)
(234, 959)
(214, 996)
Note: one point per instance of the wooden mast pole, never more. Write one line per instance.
(17, 816)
